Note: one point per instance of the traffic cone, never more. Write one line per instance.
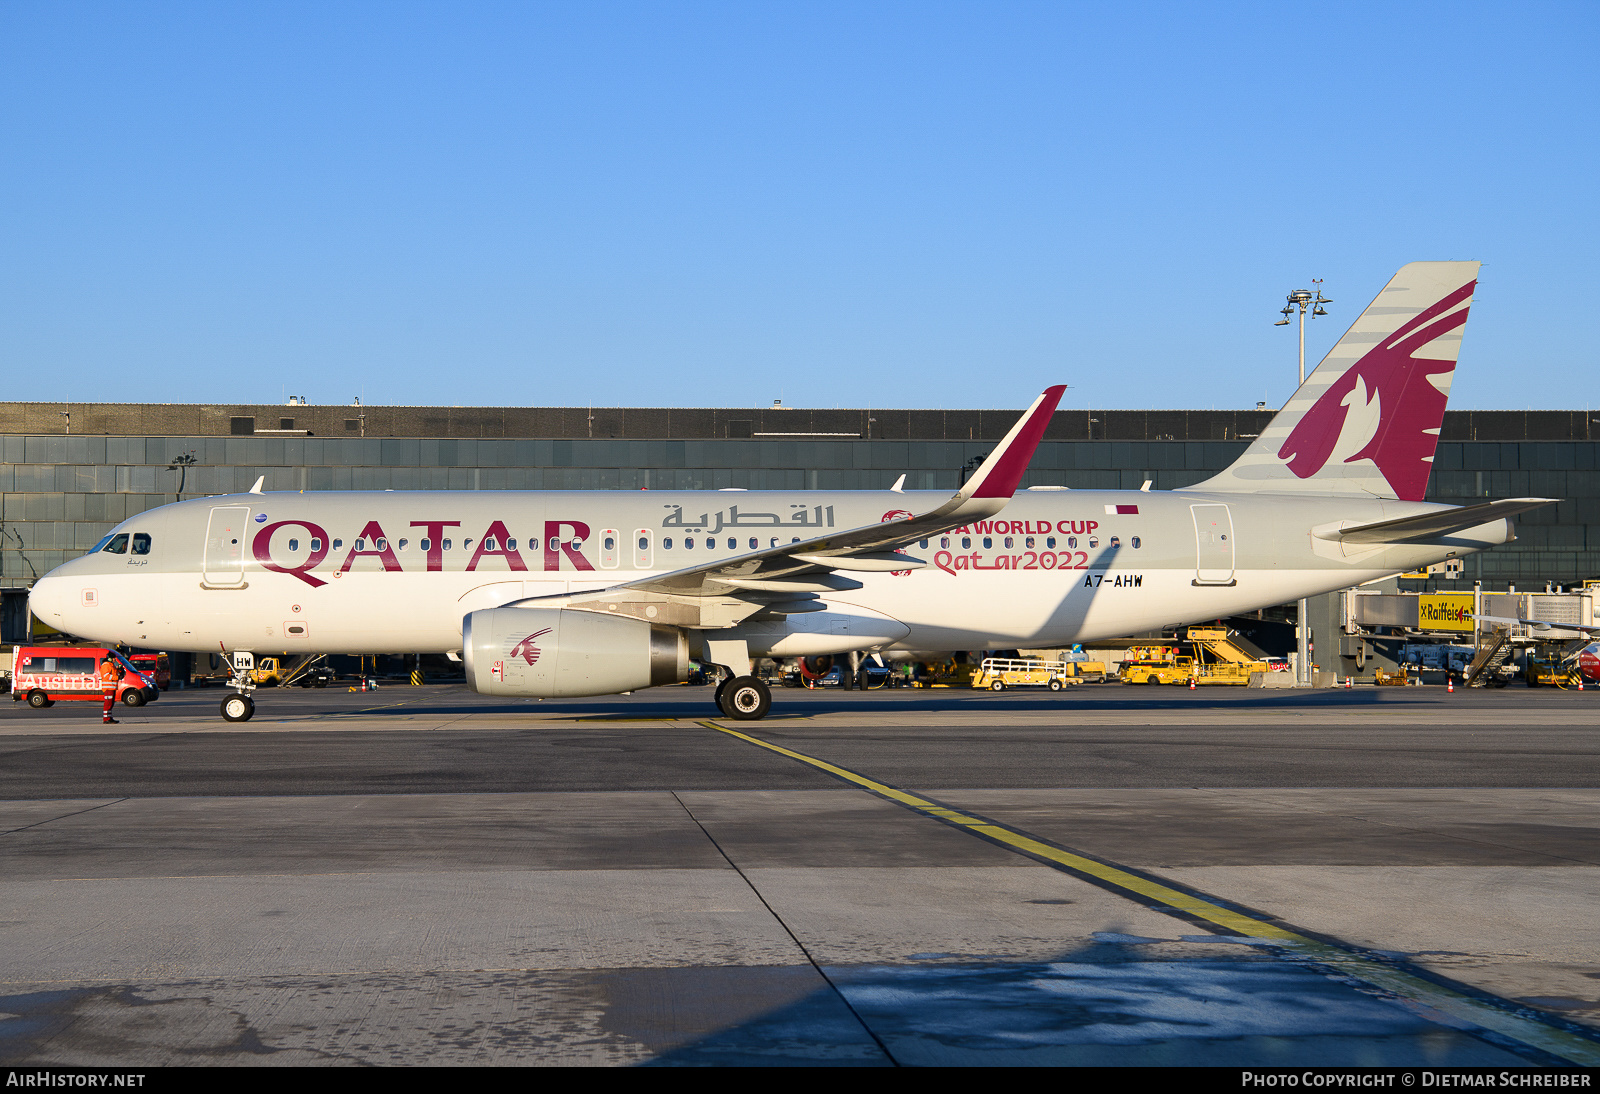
(1349, 682)
(1449, 683)
(1191, 683)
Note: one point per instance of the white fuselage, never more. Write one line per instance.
(388, 572)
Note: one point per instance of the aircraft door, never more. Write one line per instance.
(1214, 545)
(226, 534)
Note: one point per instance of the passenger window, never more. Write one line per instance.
(1028, 543)
(1135, 543)
(489, 544)
(944, 541)
(141, 543)
(294, 545)
(1116, 542)
(644, 543)
(403, 544)
(1094, 541)
(966, 543)
(923, 544)
(577, 544)
(1072, 542)
(316, 543)
(361, 545)
(796, 539)
(338, 543)
(610, 543)
(118, 544)
(666, 543)
(755, 543)
(688, 543)
(444, 543)
(988, 543)
(511, 543)
(425, 544)
(1009, 543)
(555, 543)
(1050, 541)
(381, 544)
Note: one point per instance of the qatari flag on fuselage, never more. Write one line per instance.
(1122, 510)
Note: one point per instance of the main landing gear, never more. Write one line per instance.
(744, 698)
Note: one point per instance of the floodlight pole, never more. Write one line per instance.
(1301, 299)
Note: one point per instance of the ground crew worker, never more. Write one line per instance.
(110, 675)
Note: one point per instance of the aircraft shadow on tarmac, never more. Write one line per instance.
(702, 707)
(1108, 1001)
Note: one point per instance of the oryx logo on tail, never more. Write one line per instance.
(526, 649)
(1406, 403)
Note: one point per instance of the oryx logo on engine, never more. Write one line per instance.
(526, 649)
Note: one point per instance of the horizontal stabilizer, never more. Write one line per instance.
(1442, 522)
(1538, 625)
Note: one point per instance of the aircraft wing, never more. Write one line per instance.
(811, 566)
(1430, 526)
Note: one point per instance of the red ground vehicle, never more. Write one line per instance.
(45, 675)
(155, 666)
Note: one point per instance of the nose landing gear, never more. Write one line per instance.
(239, 707)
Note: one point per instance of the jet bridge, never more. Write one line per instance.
(1499, 648)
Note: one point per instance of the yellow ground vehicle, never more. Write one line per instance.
(1551, 673)
(1157, 665)
(1000, 673)
(269, 671)
(1088, 672)
(1210, 656)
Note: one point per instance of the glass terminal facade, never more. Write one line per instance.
(69, 472)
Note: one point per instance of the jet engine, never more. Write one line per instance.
(561, 653)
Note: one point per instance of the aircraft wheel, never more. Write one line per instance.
(238, 708)
(746, 699)
(133, 698)
(1055, 685)
(38, 700)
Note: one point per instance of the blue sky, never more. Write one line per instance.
(688, 204)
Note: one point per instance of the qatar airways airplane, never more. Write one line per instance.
(558, 594)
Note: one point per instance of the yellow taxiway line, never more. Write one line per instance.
(1439, 1002)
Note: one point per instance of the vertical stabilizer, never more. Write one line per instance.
(1366, 421)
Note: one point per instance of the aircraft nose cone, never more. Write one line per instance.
(47, 599)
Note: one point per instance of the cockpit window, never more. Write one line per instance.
(141, 543)
(117, 545)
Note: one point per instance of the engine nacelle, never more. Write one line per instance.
(558, 653)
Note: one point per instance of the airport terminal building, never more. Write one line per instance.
(69, 472)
